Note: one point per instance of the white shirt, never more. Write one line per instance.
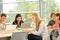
(42, 30)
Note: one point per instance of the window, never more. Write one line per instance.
(25, 7)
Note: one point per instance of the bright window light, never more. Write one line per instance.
(8, 1)
(7, 7)
(32, 0)
(57, 2)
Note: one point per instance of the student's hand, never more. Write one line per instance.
(29, 31)
(55, 27)
(49, 27)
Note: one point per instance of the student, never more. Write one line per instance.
(18, 20)
(57, 19)
(59, 27)
(2, 21)
(57, 22)
(55, 27)
(51, 23)
(40, 28)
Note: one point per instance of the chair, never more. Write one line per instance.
(19, 36)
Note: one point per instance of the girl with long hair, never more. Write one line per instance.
(40, 28)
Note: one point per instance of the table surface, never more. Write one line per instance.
(8, 33)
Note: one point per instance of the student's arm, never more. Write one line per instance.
(4, 26)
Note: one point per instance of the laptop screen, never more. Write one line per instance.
(10, 27)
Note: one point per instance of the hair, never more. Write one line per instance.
(3, 14)
(59, 17)
(52, 14)
(58, 14)
(38, 21)
(18, 15)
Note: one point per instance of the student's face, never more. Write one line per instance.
(3, 18)
(33, 18)
(53, 17)
(19, 19)
(57, 18)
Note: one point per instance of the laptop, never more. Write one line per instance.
(25, 25)
(10, 27)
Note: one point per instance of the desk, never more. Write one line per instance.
(6, 34)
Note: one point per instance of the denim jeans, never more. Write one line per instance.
(34, 37)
